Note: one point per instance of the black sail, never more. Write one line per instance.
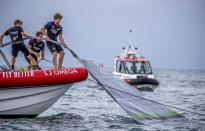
(130, 99)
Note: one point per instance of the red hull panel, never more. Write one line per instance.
(42, 77)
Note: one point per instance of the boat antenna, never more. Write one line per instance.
(130, 37)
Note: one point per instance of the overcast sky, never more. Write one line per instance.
(170, 33)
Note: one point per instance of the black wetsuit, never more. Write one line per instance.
(53, 31)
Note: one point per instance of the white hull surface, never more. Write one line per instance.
(29, 101)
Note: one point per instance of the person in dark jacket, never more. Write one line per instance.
(16, 34)
(54, 30)
(35, 47)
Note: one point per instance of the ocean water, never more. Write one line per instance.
(87, 107)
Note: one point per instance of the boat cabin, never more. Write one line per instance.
(129, 63)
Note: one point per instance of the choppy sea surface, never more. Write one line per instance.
(87, 107)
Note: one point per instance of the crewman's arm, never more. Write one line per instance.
(1, 39)
(27, 36)
(32, 52)
(42, 55)
(43, 30)
(62, 41)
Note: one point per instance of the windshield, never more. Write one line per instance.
(134, 67)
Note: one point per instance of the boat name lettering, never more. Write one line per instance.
(18, 74)
(60, 72)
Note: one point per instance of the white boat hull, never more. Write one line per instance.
(29, 101)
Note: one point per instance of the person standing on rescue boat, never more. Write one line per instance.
(16, 34)
(35, 46)
(54, 29)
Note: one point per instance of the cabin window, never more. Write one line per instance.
(148, 68)
(120, 66)
(134, 67)
(140, 67)
(130, 67)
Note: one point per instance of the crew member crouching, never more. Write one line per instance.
(35, 47)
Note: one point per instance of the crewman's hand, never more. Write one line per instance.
(37, 54)
(32, 37)
(47, 38)
(1, 44)
(65, 46)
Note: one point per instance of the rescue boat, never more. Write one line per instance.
(135, 70)
(29, 93)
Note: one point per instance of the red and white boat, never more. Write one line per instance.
(135, 70)
(29, 93)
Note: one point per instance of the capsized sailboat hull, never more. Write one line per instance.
(29, 102)
(29, 93)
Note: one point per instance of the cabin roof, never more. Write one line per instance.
(136, 60)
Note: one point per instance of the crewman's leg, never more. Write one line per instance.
(15, 50)
(52, 47)
(13, 61)
(29, 67)
(55, 59)
(35, 67)
(33, 62)
(24, 50)
(59, 49)
(61, 59)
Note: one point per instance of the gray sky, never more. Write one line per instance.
(168, 32)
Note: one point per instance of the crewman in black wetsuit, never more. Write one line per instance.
(35, 46)
(16, 34)
(54, 29)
